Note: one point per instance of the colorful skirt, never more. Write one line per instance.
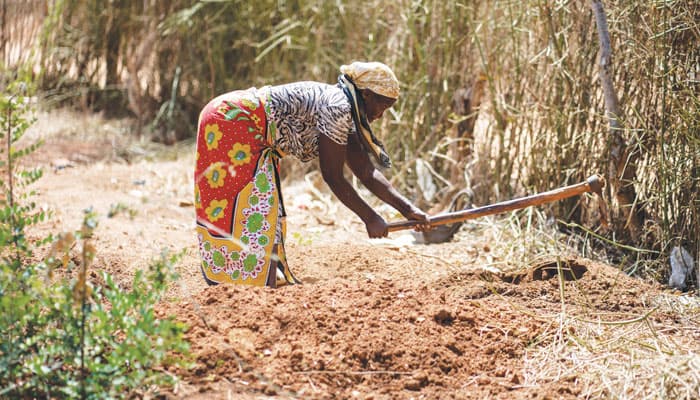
(240, 215)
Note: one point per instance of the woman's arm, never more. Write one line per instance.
(374, 180)
(331, 159)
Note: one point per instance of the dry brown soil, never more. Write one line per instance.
(374, 319)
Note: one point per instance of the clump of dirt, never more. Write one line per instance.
(568, 269)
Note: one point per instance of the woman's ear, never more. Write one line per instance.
(366, 95)
(370, 96)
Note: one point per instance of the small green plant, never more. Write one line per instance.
(302, 240)
(120, 343)
(66, 331)
(119, 208)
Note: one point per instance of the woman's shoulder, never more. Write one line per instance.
(303, 86)
(323, 93)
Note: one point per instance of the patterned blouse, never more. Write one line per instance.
(304, 110)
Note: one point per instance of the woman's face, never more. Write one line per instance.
(375, 104)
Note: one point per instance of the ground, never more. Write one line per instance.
(374, 319)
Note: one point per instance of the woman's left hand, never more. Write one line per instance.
(417, 214)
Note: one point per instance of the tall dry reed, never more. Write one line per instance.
(541, 121)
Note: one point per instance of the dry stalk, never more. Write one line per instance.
(625, 359)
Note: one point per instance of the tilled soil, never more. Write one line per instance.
(463, 336)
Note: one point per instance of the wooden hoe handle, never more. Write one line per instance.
(592, 185)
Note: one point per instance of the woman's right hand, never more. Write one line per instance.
(377, 227)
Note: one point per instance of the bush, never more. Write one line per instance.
(63, 336)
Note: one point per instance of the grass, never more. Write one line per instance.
(640, 358)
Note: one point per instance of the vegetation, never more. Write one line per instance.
(500, 96)
(62, 333)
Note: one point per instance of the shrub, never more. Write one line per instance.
(62, 336)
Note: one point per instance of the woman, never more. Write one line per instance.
(242, 135)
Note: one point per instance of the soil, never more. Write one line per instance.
(374, 319)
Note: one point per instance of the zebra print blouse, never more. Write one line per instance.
(304, 110)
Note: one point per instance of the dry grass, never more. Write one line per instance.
(637, 358)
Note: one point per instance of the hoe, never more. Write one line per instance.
(448, 223)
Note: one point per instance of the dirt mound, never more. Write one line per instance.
(340, 338)
(462, 336)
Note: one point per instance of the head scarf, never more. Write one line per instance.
(374, 76)
(364, 133)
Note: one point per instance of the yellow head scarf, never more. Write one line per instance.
(374, 76)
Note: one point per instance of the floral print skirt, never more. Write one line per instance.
(240, 215)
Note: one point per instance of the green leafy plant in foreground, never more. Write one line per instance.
(66, 332)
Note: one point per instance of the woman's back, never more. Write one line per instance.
(303, 110)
